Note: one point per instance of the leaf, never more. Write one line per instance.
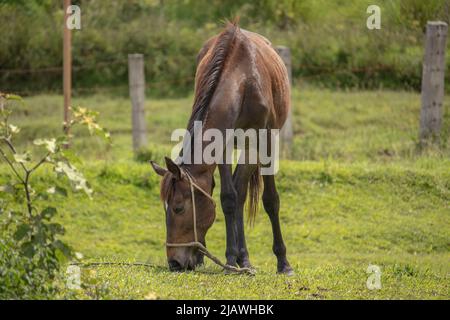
(103, 133)
(78, 255)
(27, 249)
(71, 156)
(74, 176)
(61, 191)
(50, 144)
(58, 190)
(21, 231)
(62, 259)
(48, 213)
(42, 195)
(13, 128)
(62, 140)
(56, 228)
(39, 237)
(22, 157)
(65, 249)
(7, 188)
(89, 118)
(51, 190)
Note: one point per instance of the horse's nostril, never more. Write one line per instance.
(174, 265)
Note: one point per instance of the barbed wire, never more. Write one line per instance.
(320, 71)
(56, 69)
(102, 64)
(326, 71)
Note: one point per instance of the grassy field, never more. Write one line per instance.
(357, 192)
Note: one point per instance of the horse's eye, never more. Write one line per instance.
(178, 209)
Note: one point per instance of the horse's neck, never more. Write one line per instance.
(201, 172)
(197, 170)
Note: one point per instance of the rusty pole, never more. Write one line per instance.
(67, 67)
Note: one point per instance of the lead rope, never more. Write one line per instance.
(197, 244)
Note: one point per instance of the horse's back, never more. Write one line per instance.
(257, 70)
(269, 77)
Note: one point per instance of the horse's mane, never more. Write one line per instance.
(209, 77)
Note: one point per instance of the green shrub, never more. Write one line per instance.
(31, 251)
(19, 278)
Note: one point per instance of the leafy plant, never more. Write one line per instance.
(33, 239)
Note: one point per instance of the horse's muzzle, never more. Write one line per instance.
(174, 265)
(185, 262)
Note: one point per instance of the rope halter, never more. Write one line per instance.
(192, 186)
(197, 244)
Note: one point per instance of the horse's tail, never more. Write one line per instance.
(254, 188)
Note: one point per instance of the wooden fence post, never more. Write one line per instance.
(433, 81)
(136, 80)
(67, 67)
(287, 132)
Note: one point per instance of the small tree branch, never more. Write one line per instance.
(27, 193)
(13, 150)
(9, 144)
(42, 161)
(12, 166)
(25, 181)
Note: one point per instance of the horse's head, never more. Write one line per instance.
(177, 197)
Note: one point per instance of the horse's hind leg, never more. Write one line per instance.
(241, 178)
(271, 202)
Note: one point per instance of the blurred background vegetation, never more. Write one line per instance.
(330, 43)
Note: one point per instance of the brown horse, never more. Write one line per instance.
(241, 82)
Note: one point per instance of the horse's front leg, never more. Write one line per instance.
(241, 179)
(228, 198)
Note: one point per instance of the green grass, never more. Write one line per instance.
(344, 206)
(337, 219)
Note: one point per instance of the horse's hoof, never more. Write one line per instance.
(245, 264)
(287, 271)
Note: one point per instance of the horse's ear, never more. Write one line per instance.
(173, 167)
(159, 170)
